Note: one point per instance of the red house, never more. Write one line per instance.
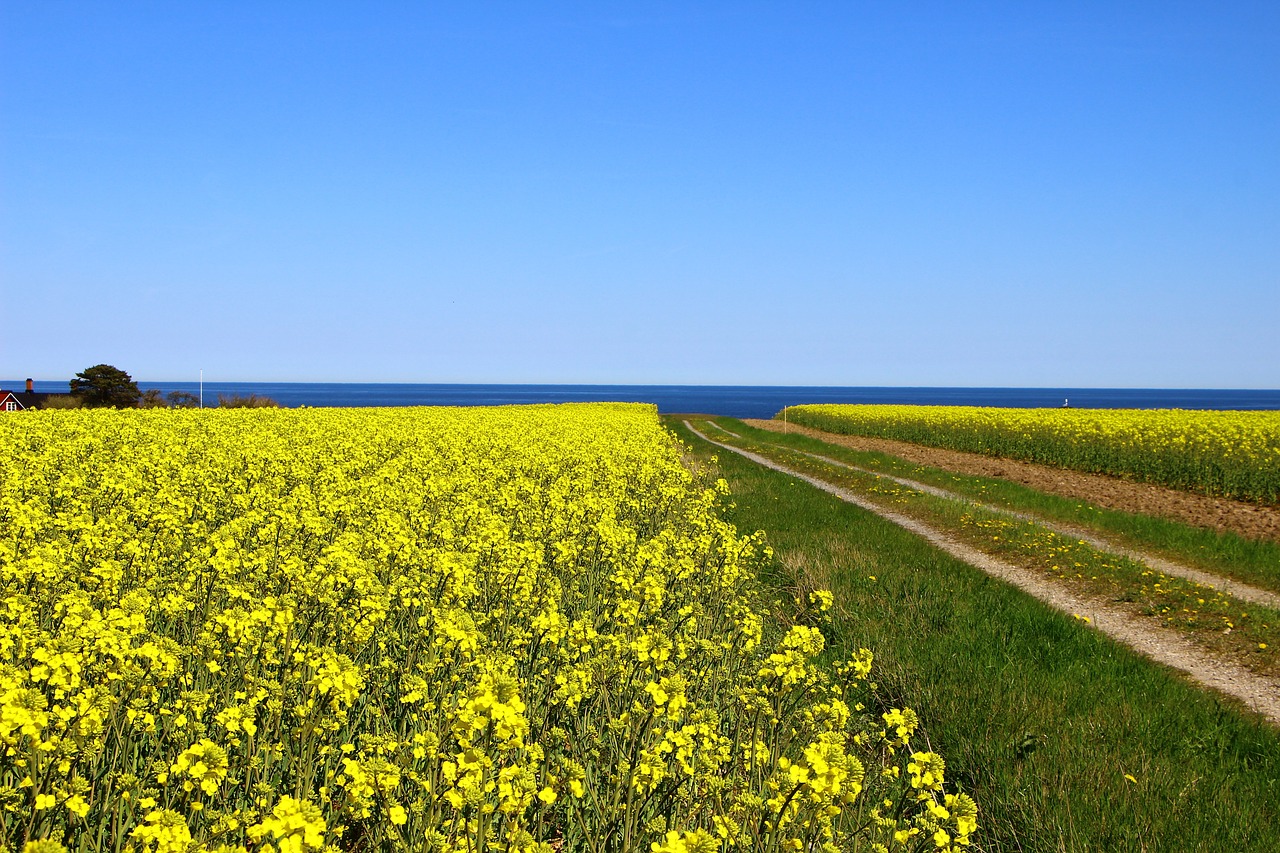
(20, 401)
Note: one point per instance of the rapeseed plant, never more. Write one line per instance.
(1235, 454)
(524, 628)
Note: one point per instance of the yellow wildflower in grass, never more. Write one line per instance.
(902, 722)
(965, 812)
(926, 769)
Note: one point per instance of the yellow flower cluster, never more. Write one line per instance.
(523, 629)
(1236, 454)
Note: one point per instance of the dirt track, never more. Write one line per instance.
(1251, 520)
(1163, 645)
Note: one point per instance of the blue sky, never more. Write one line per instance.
(1025, 194)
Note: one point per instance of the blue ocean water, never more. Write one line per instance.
(744, 401)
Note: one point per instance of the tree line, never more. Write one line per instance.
(105, 386)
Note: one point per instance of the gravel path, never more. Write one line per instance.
(1246, 519)
(1157, 643)
(1239, 590)
(1242, 591)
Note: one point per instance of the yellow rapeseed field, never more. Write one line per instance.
(522, 628)
(1234, 454)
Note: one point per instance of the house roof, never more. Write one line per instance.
(27, 399)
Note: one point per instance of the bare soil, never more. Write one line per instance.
(1254, 521)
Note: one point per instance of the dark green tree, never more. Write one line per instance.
(182, 400)
(250, 401)
(103, 386)
(152, 398)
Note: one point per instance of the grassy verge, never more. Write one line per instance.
(1244, 632)
(1067, 740)
(1250, 561)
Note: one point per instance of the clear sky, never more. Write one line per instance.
(841, 193)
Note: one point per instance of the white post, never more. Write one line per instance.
(202, 387)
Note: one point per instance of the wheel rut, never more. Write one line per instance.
(1239, 590)
(1160, 644)
(1250, 520)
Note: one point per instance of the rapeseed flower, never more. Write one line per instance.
(299, 630)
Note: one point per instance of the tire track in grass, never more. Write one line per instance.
(1223, 515)
(1159, 644)
(717, 426)
(1236, 589)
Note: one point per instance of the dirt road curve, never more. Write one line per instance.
(1160, 644)
(1252, 520)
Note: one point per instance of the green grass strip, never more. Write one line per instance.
(1250, 561)
(1247, 632)
(1068, 740)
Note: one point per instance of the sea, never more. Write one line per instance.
(742, 401)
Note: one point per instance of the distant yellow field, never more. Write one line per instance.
(519, 628)
(1233, 454)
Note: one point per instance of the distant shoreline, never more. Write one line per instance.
(747, 401)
